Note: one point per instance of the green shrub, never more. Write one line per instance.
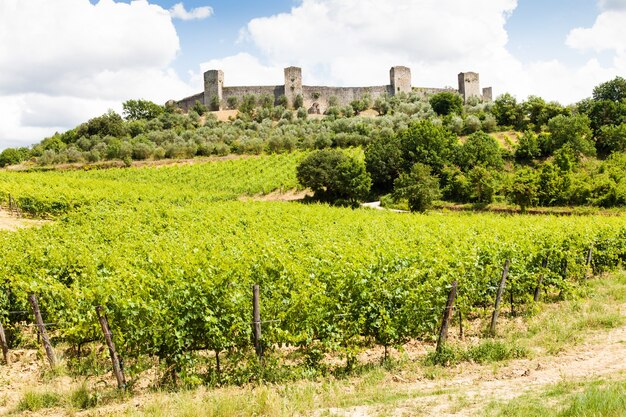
(418, 187)
(34, 401)
(332, 175)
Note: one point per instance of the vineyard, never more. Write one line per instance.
(172, 256)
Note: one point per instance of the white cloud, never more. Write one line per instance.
(613, 4)
(178, 11)
(242, 69)
(332, 38)
(65, 61)
(607, 33)
(355, 42)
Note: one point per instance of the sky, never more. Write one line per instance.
(63, 62)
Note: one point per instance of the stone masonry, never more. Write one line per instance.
(316, 98)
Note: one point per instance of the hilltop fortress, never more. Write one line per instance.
(315, 98)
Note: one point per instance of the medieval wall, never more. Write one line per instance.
(344, 95)
(238, 92)
(428, 91)
(187, 103)
(316, 97)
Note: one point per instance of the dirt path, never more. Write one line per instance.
(602, 355)
(11, 222)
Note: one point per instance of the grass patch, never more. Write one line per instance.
(487, 351)
(38, 400)
(567, 399)
(565, 324)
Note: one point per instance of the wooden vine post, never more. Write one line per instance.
(117, 368)
(447, 315)
(496, 309)
(588, 262)
(41, 327)
(544, 264)
(5, 346)
(256, 321)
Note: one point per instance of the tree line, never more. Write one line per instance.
(562, 155)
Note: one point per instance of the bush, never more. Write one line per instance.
(418, 187)
(507, 112)
(12, 156)
(282, 101)
(446, 103)
(611, 139)
(482, 184)
(141, 110)
(455, 185)
(574, 131)
(233, 102)
(472, 124)
(427, 143)
(480, 149)
(332, 176)
(200, 108)
(298, 101)
(527, 147)
(383, 160)
(524, 189)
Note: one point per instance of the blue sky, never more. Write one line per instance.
(65, 61)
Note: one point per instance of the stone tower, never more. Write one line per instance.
(400, 79)
(469, 85)
(213, 85)
(487, 94)
(293, 83)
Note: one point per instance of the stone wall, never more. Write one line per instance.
(187, 103)
(344, 95)
(428, 91)
(316, 97)
(238, 92)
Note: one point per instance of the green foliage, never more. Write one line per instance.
(171, 253)
(482, 184)
(538, 112)
(383, 160)
(82, 399)
(248, 104)
(298, 101)
(605, 112)
(302, 113)
(446, 103)
(427, 143)
(215, 103)
(524, 189)
(527, 147)
(233, 102)
(611, 139)
(573, 131)
(361, 104)
(614, 90)
(141, 110)
(266, 101)
(199, 108)
(35, 401)
(455, 184)
(418, 187)
(480, 149)
(333, 175)
(109, 124)
(553, 185)
(487, 351)
(507, 111)
(13, 156)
